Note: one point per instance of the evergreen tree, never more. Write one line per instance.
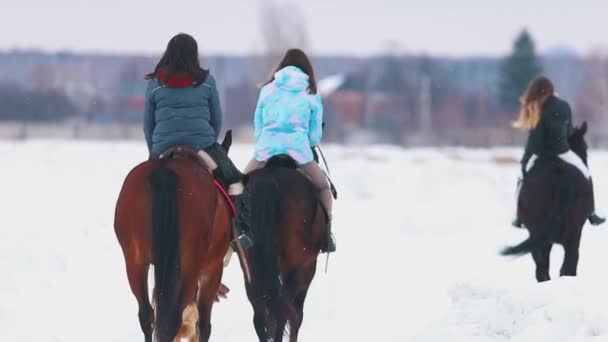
(518, 69)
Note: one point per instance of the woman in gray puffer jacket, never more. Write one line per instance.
(182, 107)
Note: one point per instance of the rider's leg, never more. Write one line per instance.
(316, 175)
(573, 159)
(314, 172)
(228, 174)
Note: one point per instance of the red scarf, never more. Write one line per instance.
(178, 80)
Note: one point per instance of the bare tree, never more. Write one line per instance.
(282, 27)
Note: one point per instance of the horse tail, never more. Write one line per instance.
(265, 215)
(165, 252)
(553, 225)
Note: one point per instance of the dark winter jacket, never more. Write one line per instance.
(179, 111)
(550, 136)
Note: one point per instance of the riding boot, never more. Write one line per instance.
(241, 221)
(594, 218)
(331, 241)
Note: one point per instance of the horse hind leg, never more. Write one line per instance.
(190, 312)
(138, 281)
(542, 258)
(209, 285)
(280, 329)
(294, 327)
(259, 323)
(570, 263)
(302, 282)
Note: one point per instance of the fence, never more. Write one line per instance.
(24, 131)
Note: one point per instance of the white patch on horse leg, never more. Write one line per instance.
(189, 322)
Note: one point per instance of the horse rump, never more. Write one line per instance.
(553, 179)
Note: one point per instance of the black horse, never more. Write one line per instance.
(554, 202)
(289, 227)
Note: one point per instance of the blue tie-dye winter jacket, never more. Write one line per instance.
(288, 120)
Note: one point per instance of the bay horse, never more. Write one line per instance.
(289, 228)
(170, 214)
(553, 204)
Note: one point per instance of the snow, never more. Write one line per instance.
(564, 310)
(418, 235)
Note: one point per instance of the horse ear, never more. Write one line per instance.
(227, 141)
(584, 127)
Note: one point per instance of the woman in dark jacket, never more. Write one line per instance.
(183, 108)
(549, 121)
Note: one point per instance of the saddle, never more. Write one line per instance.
(184, 152)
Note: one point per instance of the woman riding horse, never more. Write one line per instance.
(170, 212)
(182, 108)
(289, 120)
(549, 121)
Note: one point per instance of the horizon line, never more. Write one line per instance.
(407, 53)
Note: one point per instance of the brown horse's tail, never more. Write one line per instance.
(554, 224)
(266, 211)
(165, 253)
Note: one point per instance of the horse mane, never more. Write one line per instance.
(282, 160)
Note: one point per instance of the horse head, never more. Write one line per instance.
(577, 141)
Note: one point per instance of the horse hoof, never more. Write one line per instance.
(222, 292)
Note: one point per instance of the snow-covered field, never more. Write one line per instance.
(418, 233)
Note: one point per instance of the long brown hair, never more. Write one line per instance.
(539, 90)
(181, 56)
(298, 59)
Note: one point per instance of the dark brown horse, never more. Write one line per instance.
(171, 215)
(289, 227)
(554, 203)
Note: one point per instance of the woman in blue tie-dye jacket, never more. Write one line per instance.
(288, 120)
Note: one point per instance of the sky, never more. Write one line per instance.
(353, 27)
